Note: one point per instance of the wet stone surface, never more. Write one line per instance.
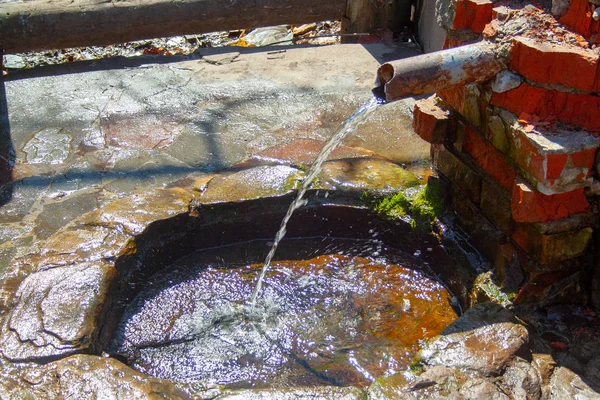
(328, 320)
(105, 140)
(484, 340)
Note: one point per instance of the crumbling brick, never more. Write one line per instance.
(472, 14)
(489, 158)
(579, 18)
(496, 205)
(548, 248)
(546, 63)
(553, 161)
(529, 205)
(457, 172)
(430, 121)
(578, 109)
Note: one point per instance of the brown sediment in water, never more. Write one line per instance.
(331, 319)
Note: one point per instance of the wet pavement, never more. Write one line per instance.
(81, 135)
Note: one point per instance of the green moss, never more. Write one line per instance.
(393, 206)
(416, 366)
(293, 182)
(422, 209)
(484, 286)
(428, 204)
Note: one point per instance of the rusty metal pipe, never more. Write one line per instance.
(437, 71)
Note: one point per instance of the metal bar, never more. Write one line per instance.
(430, 73)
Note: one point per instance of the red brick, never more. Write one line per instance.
(472, 14)
(579, 109)
(454, 97)
(489, 158)
(584, 159)
(527, 156)
(450, 42)
(555, 64)
(555, 165)
(579, 18)
(529, 205)
(559, 160)
(430, 121)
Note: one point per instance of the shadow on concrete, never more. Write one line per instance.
(379, 51)
(385, 53)
(7, 153)
(121, 62)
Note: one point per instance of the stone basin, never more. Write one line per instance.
(69, 295)
(327, 316)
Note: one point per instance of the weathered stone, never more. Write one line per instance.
(301, 152)
(458, 172)
(252, 183)
(86, 376)
(484, 340)
(78, 243)
(565, 384)
(430, 121)
(134, 213)
(553, 247)
(55, 215)
(471, 105)
(48, 146)
(544, 364)
(483, 234)
(592, 369)
(522, 380)
(325, 392)
(497, 133)
(505, 81)
(22, 195)
(362, 174)
(595, 282)
(139, 132)
(559, 7)
(390, 387)
(507, 268)
(495, 203)
(435, 382)
(482, 389)
(55, 312)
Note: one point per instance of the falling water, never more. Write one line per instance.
(350, 124)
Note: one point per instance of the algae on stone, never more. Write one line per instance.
(422, 209)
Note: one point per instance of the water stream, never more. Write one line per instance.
(349, 125)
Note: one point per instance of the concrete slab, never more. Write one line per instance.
(103, 129)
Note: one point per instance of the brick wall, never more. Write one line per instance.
(520, 150)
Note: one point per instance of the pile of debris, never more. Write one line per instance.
(318, 33)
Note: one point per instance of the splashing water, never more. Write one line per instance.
(350, 124)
